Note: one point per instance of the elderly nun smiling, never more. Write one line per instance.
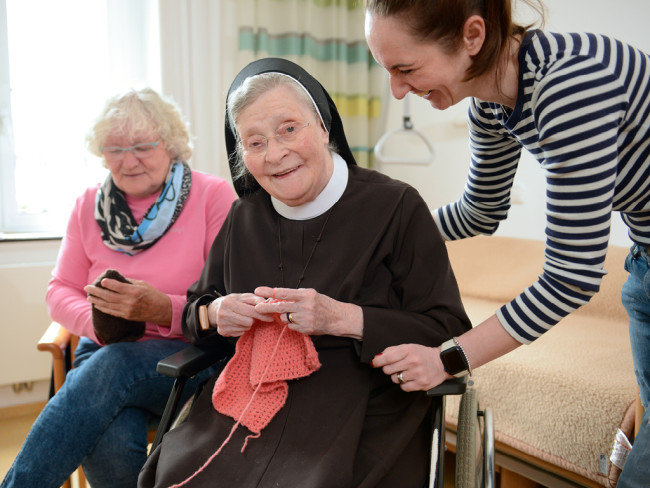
(319, 267)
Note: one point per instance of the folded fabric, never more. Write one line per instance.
(109, 328)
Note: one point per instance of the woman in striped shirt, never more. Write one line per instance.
(580, 104)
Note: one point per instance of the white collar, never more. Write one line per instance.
(324, 201)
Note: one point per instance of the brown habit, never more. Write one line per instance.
(347, 425)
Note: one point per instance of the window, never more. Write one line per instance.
(59, 62)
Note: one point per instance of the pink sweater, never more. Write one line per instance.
(171, 265)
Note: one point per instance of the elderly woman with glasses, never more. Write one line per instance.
(153, 221)
(320, 265)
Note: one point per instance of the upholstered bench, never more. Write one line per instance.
(558, 402)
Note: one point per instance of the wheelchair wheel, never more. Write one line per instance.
(474, 444)
(466, 440)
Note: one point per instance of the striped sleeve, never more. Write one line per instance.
(570, 123)
(486, 198)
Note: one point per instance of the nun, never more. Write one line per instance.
(320, 266)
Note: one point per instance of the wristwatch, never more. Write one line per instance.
(454, 359)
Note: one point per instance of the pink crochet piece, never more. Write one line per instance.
(258, 372)
(253, 386)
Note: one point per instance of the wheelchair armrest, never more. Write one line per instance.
(182, 366)
(189, 361)
(454, 386)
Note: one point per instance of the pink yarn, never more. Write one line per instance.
(253, 386)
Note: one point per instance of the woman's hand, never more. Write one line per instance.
(137, 300)
(234, 314)
(420, 366)
(311, 312)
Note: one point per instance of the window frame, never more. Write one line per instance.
(132, 28)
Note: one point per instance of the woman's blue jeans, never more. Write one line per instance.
(636, 299)
(99, 418)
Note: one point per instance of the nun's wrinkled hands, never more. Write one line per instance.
(234, 314)
(309, 312)
(412, 366)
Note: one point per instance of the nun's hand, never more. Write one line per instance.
(234, 314)
(309, 312)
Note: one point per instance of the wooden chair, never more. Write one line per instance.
(639, 411)
(57, 340)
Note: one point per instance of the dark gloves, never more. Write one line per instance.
(109, 328)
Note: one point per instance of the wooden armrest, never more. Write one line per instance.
(639, 411)
(55, 340)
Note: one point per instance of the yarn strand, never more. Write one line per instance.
(238, 422)
(270, 361)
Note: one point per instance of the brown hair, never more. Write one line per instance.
(442, 21)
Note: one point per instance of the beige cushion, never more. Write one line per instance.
(563, 397)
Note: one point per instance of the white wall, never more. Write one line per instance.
(25, 269)
(443, 180)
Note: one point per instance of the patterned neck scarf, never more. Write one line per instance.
(121, 232)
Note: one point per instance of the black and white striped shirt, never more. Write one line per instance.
(583, 111)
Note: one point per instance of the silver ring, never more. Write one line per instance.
(290, 317)
(400, 378)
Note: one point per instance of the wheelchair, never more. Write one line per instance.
(474, 439)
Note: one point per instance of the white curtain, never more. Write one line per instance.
(204, 43)
(198, 64)
(326, 37)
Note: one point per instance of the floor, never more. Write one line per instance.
(15, 423)
(448, 478)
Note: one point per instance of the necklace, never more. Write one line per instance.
(311, 254)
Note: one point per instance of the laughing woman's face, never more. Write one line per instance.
(420, 67)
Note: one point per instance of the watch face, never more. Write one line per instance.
(453, 361)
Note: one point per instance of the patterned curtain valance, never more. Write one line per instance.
(326, 37)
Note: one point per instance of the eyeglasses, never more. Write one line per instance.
(286, 134)
(140, 151)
